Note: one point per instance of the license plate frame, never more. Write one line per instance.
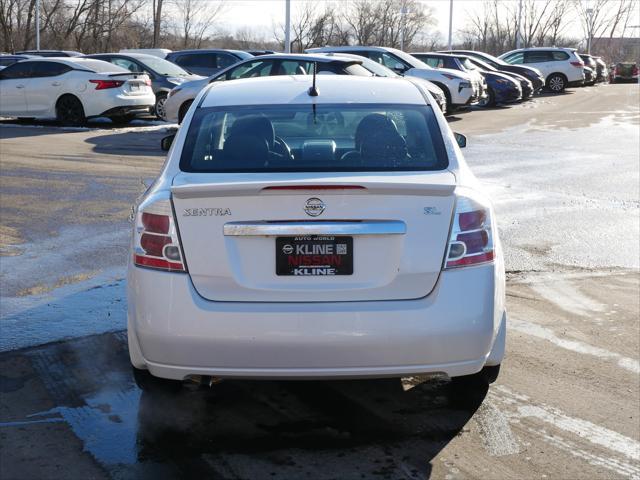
(314, 255)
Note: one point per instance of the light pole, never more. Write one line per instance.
(589, 28)
(287, 27)
(37, 24)
(450, 24)
(403, 13)
(518, 35)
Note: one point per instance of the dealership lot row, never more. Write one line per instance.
(565, 406)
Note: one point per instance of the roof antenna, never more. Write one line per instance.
(313, 91)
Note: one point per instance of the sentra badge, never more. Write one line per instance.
(206, 212)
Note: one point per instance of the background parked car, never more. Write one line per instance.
(532, 74)
(589, 76)
(156, 52)
(164, 75)
(561, 67)
(602, 72)
(180, 98)
(381, 71)
(207, 62)
(457, 86)
(525, 85)
(72, 90)
(625, 72)
(257, 53)
(6, 60)
(590, 68)
(50, 53)
(446, 60)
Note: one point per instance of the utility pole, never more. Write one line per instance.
(589, 29)
(450, 24)
(287, 27)
(518, 34)
(37, 24)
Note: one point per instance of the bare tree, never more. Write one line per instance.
(195, 18)
(372, 22)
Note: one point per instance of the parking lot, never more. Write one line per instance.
(563, 173)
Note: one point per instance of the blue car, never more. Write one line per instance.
(501, 89)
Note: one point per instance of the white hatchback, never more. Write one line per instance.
(330, 233)
(72, 90)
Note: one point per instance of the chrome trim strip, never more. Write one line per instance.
(367, 227)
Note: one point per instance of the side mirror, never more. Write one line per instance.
(165, 143)
(400, 68)
(461, 140)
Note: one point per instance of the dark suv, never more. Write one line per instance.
(206, 62)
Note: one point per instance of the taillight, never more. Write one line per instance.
(147, 81)
(578, 64)
(156, 239)
(104, 84)
(471, 239)
(635, 70)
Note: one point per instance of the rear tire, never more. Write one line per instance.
(148, 383)
(482, 379)
(184, 108)
(158, 108)
(556, 83)
(69, 111)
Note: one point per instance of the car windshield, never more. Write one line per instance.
(163, 67)
(100, 66)
(307, 138)
(468, 64)
(480, 64)
(411, 60)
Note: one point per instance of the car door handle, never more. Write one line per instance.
(19, 86)
(56, 84)
(370, 227)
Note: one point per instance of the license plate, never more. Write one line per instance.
(314, 255)
(135, 87)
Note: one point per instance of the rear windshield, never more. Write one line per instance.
(100, 66)
(306, 138)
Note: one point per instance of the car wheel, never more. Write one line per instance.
(158, 108)
(556, 83)
(148, 383)
(489, 100)
(480, 380)
(69, 111)
(184, 108)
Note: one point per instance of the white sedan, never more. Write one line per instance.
(72, 90)
(329, 232)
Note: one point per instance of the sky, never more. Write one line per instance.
(265, 14)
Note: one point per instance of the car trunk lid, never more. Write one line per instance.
(314, 237)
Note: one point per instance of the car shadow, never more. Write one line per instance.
(236, 428)
(130, 143)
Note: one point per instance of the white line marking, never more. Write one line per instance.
(589, 431)
(612, 441)
(546, 334)
(566, 296)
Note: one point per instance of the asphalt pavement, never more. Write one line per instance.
(563, 172)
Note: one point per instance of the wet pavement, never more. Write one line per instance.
(564, 175)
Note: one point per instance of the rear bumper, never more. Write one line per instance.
(176, 333)
(129, 110)
(102, 102)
